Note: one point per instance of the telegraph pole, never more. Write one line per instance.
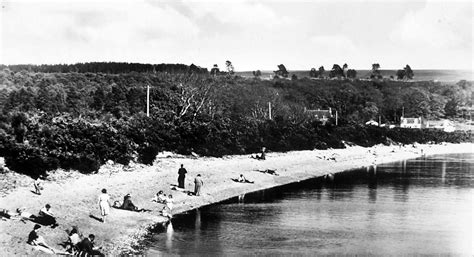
(148, 100)
(270, 110)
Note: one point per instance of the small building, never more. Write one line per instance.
(445, 125)
(419, 123)
(410, 122)
(321, 115)
(372, 123)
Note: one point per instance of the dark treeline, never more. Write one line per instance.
(106, 67)
(81, 120)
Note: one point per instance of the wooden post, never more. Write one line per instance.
(148, 100)
(336, 118)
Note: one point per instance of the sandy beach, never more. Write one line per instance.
(73, 196)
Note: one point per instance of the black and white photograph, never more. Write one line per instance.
(236, 128)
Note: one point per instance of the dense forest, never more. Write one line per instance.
(79, 116)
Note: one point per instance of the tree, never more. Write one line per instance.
(313, 73)
(321, 72)
(408, 72)
(281, 72)
(336, 71)
(257, 73)
(230, 67)
(375, 71)
(352, 74)
(294, 77)
(344, 69)
(400, 74)
(215, 70)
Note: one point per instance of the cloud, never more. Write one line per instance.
(439, 25)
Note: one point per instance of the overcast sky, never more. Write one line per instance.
(252, 34)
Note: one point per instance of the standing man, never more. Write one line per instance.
(181, 176)
(197, 185)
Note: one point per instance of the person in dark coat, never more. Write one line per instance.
(87, 246)
(181, 176)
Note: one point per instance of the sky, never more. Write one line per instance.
(255, 34)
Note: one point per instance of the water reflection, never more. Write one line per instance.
(169, 236)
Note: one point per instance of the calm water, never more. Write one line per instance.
(422, 206)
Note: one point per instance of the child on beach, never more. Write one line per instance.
(104, 204)
(169, 202)
(37, 185)
(159, 197)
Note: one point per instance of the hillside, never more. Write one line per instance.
(80, 120)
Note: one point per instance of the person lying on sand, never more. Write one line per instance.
(242, 179)
(269, 171)
(37, 240)
(128, 204)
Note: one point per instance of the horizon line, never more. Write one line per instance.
(243, 70)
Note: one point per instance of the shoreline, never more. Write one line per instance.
(73, 196)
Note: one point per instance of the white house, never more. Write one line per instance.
(410, 122)
(445, 125)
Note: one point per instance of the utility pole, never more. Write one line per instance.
(148, 100)
(270, 110)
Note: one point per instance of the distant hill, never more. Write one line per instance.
(424, 75)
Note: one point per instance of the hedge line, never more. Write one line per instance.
(51, 143)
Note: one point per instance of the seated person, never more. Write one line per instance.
(160, 197)
(46, 217)
(37, 240)
(244, 179)
(261, 157)
(166, 212)
(127, 204)
(73, 240)
(86, 246)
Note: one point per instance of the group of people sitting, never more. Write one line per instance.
(161, 197)
(75, 245)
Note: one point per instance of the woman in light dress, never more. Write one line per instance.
(104, 204)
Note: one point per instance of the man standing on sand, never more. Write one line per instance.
(181, 176)
(197, 185)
